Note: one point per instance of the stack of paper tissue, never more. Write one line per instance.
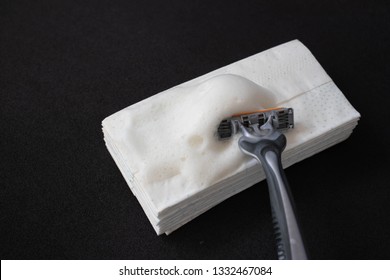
(166, 146)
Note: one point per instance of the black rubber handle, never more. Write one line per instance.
(268, 150)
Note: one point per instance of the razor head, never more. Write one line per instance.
(282, 119)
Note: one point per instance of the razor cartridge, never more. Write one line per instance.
(282, 119)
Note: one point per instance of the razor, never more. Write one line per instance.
(262, 138)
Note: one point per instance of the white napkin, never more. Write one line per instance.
(166, 148)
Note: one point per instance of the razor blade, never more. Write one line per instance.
(282, 119)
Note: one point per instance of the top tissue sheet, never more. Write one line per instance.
(167, 149)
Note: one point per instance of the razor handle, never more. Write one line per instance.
(268, 150)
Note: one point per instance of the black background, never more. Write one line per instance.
(66, 65)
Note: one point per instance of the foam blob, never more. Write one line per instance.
(173, 139)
